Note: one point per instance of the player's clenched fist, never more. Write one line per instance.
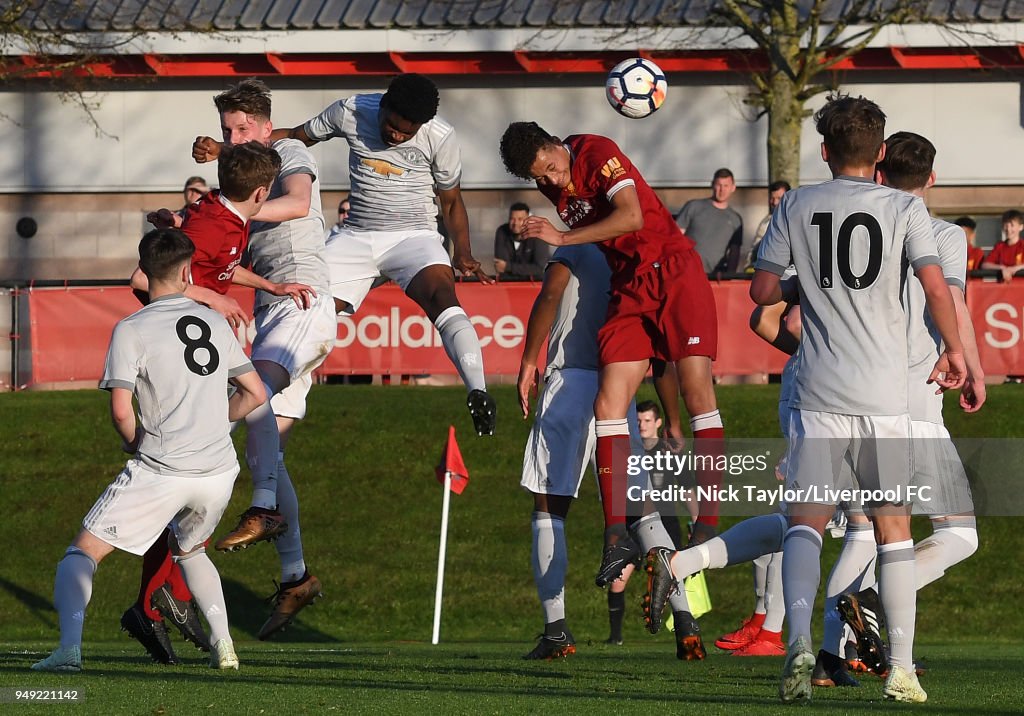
(205, 149)
(164, 219)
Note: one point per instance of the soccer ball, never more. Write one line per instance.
(635, 88)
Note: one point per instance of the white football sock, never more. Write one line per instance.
(856, 563)
(650, 532)
(550, 561)
(953, 541)
(204, 583)
(72, 590)
(262, 443)
(289, 545)
(759, 569)
(458, 336)
(801, 573)
(898, 593)
(774, 604)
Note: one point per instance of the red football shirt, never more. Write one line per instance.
(975, 256)
(220, 237)
(1006, 255)
(598, 170)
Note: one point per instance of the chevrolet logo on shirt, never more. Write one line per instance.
(379, 166)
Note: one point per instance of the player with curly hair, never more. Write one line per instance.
(661, 308)
(400, 155)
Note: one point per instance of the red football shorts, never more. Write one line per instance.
(667, 312)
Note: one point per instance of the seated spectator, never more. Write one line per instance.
(716, 229)
(775, 191)
(975, 255)
(515, 257)
(1008, 255)
(343, 209)
(195, 189)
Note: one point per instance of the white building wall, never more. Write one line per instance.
(51, 146)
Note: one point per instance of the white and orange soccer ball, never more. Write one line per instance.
(635, 88)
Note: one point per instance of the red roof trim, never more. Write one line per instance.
(502, 63)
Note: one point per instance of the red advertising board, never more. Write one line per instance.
(70, 328)
(390, 335)
(997, 310)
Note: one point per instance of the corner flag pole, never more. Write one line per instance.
(440, 556)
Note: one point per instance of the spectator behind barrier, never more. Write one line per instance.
(195, 189)
(775, 191)
(975, 255)
(514, 256)
(716, 229)
(1008, 255)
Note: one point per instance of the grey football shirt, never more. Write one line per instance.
(923, 339)
(713, 230)
(177, 356)
(849, 239)
(581, 312)
(392, 187)
(291, 251)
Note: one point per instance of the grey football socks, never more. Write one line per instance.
(204, 583)
(289, 545)
(954, 540)
(461, 343)
(72, 589)
(262, 443)
(550, 561)
(801, 573)
(853, 571)
(897, 590)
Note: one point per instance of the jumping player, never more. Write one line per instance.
(853, 332)
(661, 307)
(286, 244)
(176, 358)
(568, 313)
(400, 155)
(218, 225)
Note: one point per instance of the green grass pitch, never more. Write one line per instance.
(363, 466)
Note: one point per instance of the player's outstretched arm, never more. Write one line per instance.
(973, 394)
(294, 133)
(542, 317)
(165, 219)
(122, 414)
(249, 396)
(293, 203)
(951, 370)
(626, 217)
(302, 294)
(205, 149)
(224, 305)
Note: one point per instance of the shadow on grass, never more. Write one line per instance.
(41, 609)
(247, 611)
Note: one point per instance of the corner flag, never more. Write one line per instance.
(452, 464)
(453, 475)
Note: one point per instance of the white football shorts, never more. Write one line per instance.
(877, 448)
(941, 485)
(291, 402)
(139, 505)
(357, 258)
(296, 339)
(562, 441)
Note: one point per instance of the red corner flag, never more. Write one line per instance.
(451, 462)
